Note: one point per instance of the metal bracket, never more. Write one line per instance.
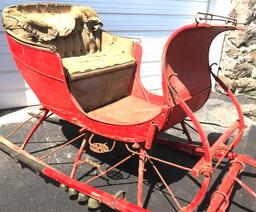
(207, 170)
(118, 195)
(205, 17)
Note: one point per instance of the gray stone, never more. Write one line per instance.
(229, 74)
(233, 52)
(238, 38)
(253, 57)
(245, 85)
(254, 61)
(241, 10)
(239, 54)
(243, 49)
(243, 70)
(251, 39)
(252, 47)
(245, 58)
(228, 63)
(253, 74)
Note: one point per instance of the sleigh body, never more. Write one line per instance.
(91, 79)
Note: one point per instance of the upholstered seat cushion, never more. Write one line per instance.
(99, 66)
(45, 22)
(86, 64)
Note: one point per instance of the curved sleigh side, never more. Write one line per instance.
(185, 67)
(80, 72)
(181, 59)
(48, 81)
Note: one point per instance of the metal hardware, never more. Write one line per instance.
(205, 17)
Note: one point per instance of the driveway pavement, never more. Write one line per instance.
(22, 190)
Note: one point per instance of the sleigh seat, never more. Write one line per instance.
(99, 67)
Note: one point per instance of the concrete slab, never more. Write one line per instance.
(23, 190)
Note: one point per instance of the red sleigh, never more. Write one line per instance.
(92, 79)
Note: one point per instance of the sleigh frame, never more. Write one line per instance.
(137, 117)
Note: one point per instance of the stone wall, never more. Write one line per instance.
(238, 61)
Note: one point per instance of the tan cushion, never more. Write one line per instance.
(91, 62)
(116, 44)
(44, 22)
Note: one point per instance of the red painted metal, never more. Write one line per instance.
(191, 149)
(34, 129)
(214, 148)
(61, 146)
(186, 87)
(22, 124)
(220, 198)
(165, 184)
(246, 187)
(250, 161)
(151, 135)
(200, 130)
(238, 108)
(109, 169)
(200, 195)
(141, 177)
(105, 198)
(78, 157)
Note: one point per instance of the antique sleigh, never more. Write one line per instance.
(91, 79)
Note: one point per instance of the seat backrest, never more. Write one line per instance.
(73, 30)
(76, 31)
(80, 42)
